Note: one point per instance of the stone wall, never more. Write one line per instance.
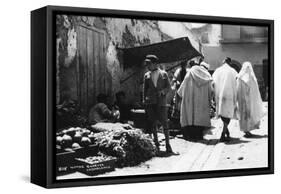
(121, 33)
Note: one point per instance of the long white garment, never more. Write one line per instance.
(249, 98)
(225, 91)
(195, 92)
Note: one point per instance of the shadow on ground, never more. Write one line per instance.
(255, 136)
(164, 154)
(233, 141)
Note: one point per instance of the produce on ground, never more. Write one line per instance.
(130, 147)
(74, 138)
(101, 127)
(100, 157)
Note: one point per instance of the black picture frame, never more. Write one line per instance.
(43, 84)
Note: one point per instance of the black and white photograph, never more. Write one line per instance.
(142, 96)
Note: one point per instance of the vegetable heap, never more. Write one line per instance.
(130, 147)
(74, 138)
(100, 157)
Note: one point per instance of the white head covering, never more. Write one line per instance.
(249, 98)
(247, 73)
(204, 64)
(200, 75)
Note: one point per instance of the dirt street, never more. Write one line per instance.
(205, 155)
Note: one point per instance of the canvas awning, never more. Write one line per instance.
(168, 51)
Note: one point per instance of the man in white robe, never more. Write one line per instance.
(196, 94)
(225, 95)
(249, 99)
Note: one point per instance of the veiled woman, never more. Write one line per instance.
(249, 99)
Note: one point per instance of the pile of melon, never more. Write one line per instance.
(75, 137)
(128, 145)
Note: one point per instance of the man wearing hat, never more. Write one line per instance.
(156, 87)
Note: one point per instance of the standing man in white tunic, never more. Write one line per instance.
(225, 95)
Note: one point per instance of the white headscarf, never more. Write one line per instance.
(246, 73)
(200, 75)
(250, 103)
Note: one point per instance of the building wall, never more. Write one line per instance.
(120, 33)
(255, 53)
(214, 51)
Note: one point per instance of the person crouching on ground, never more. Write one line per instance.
(196, 94)
(225, 95)
(155, 88)
(101, 113)
(249, 99)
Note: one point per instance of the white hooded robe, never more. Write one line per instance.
(225, 91)
(195, 92)
(249, 98)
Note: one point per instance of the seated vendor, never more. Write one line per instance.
(101, 113)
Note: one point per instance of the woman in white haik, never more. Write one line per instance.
(249, 99)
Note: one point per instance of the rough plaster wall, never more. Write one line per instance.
(129, 33)
(214, 35)
(123, 33)
(113, 67)
(207, 34)
(143, 31)
(126, 33)
(65, 31)
(178, 30)
(66, 58)
(58, 42)
(71, 46)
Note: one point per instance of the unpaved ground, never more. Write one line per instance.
(246, 152)
(209, 154)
